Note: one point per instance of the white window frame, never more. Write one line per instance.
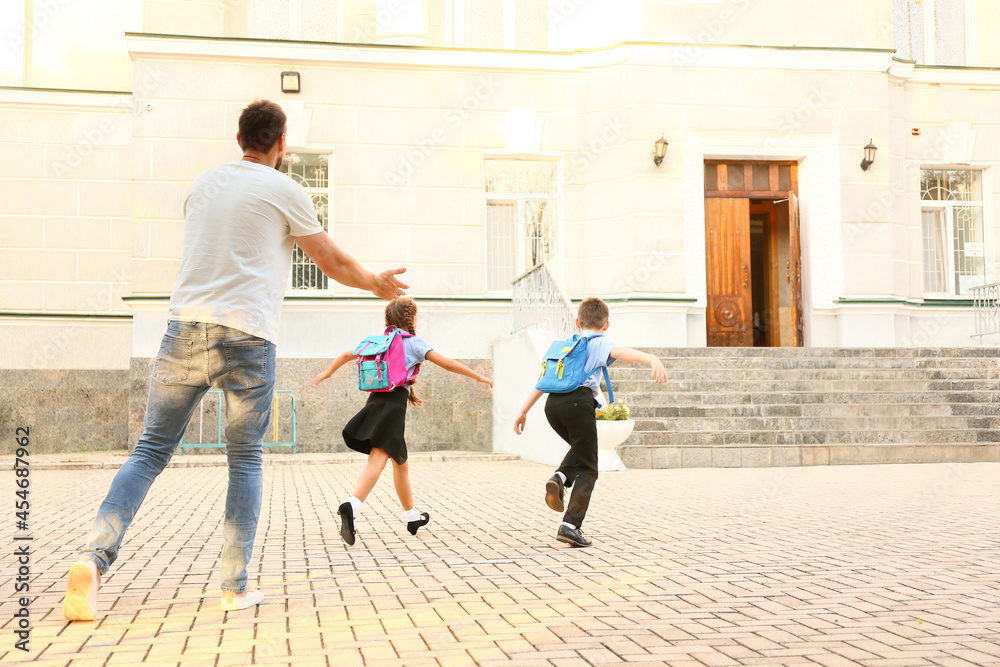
(971, 33)
(558, 262)
(327, 191)
(948, 206)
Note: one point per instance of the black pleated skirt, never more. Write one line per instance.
(380, 424)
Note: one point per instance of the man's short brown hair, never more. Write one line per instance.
(593, 314)
(261, 125)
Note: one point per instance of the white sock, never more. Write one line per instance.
(355, 505)
(561, 476)
(568, 525)
(412, 514)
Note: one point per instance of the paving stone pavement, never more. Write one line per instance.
(879, 565)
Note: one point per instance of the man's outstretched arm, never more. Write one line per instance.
(346, 270)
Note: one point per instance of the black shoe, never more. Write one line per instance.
(346, 513)
(413, 525)
(554, 493)
(572, 536)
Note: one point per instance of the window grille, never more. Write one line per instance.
(311, 171)
(522, 227)
(954, 245)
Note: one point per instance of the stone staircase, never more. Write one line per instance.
(759, 407)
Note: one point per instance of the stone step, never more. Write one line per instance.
(738, 385)
(813, 364)
(830, 352)
(815, 423)
(642, 373)
(817, 410)
(853, 436)
(825, 362)
(806, 406)
(762, 456)
(664, 399)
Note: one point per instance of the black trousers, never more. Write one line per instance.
(571, 416)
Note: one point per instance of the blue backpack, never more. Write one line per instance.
(563, 367)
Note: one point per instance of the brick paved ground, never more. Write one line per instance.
(881, 565)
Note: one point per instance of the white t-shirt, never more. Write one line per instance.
(239, 222)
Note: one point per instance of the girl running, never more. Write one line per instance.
(377, 430)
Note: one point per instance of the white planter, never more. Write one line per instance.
(610, 434)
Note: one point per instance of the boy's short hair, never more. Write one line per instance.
(261, 125)
(593, 313)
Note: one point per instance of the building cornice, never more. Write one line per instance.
(344, 302)
(145, 46)
(64, 315)
(957, 302)
(910, 74)
(11, 96)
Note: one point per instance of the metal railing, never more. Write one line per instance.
(986, 309)
(217, 441)
(540, 303)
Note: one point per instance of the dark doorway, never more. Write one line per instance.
(753, 255)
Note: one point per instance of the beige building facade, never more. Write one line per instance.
(469, 139)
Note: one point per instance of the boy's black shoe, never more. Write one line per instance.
(346, 513)
(413, 525)
(554, 493)
(572, 536)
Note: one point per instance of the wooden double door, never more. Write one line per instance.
(754, 271)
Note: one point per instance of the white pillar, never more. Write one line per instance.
(403, 23)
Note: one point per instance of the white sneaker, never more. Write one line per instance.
(234, 601)
(81, 591)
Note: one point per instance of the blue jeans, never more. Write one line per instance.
(194, 357)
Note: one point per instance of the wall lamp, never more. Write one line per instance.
(869, 156)
(290, 82)
(659, 150)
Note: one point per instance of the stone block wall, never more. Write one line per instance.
(457, 412)
(65, 410)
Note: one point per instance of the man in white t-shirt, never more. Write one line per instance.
(241, 222)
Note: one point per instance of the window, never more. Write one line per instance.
(935, 32)
(521, 218)
(311, 171)
(949, 32)
(954, 247)
(908, 29)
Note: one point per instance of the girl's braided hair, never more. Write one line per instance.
(400, 313)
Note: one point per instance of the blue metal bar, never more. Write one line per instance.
(218, 432)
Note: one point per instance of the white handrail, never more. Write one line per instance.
(540, 303)
(986, 309)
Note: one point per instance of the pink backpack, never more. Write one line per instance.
(382, 361)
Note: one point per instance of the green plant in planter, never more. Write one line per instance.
(617, 412)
